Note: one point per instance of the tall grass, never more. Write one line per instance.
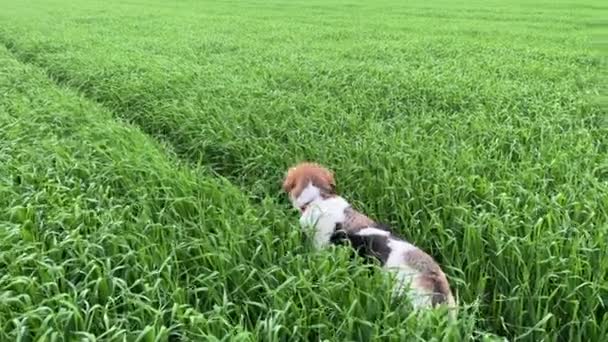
(467, 126)
(104, 236)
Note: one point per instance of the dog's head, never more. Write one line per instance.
(306, 182)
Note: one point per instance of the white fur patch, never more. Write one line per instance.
(405, 276)
(373, 231)
(322, 215)
(398, 249)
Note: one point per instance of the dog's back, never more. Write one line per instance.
(428, 285)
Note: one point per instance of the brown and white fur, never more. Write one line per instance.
(311, 189)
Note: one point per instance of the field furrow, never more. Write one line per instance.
(468, 127)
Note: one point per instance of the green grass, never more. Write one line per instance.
(104, 234)
(145, 144)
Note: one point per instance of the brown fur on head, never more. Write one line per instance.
(300, 175)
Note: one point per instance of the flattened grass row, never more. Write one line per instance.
(472, 134)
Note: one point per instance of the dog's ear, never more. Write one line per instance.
(330, 181)
(289, 182)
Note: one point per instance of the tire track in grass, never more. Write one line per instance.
(104, 235)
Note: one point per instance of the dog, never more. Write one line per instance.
(311, 189)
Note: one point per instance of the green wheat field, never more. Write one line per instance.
(143, 145)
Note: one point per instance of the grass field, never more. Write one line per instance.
(143, 145)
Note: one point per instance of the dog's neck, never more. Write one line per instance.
(321, 198)
(321, 215)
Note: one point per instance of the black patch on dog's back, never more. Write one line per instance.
(371, 246)
(366, 246)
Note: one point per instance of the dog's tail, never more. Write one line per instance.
(442, 295)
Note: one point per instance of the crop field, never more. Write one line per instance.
(143, 145)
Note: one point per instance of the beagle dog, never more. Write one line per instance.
(311, 189)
